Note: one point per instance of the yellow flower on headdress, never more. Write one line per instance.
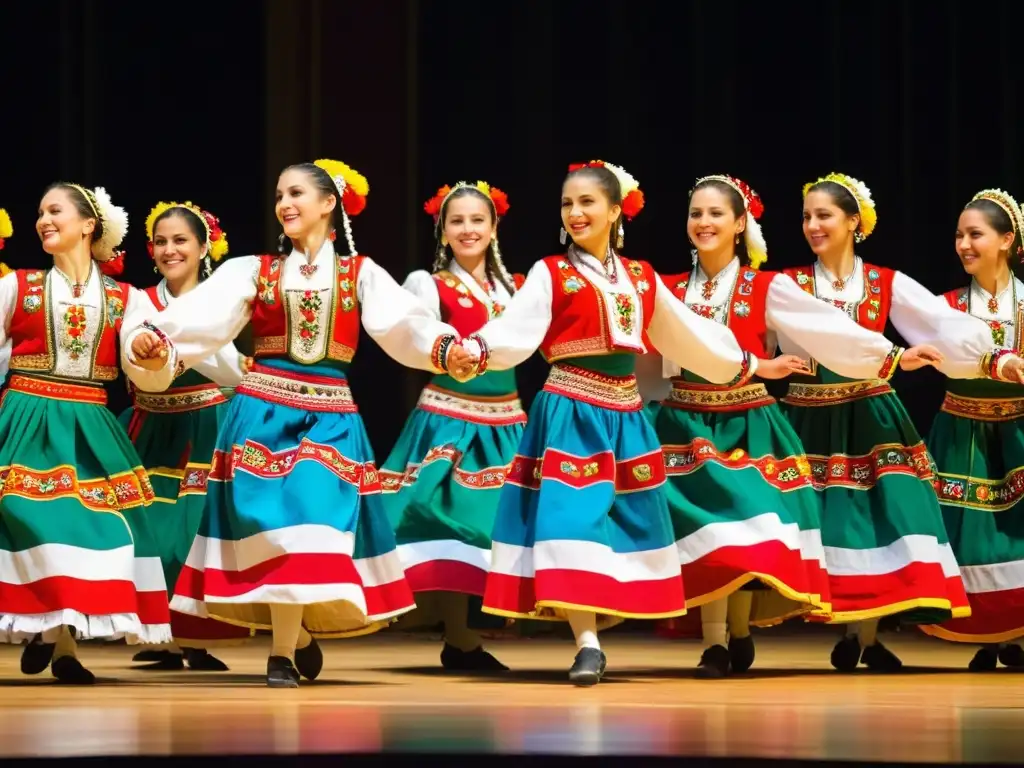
(860, 192)
(159, 210)
(352, 178)
(6, 228)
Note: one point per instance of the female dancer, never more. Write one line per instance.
(743, 506)
(294, 537)
(442, 479)
(582, 527)
(175, 431)
(68, 571)
(6, 230)
(886, 547)
(977, 441)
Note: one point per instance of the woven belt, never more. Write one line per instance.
(816, 395)
(180, 399)
(58, 390)
(307, 392)
(499, 410)
(619, 393)
(984, 408)
(689, 396)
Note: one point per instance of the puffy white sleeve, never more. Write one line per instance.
(139, 309)
(206, 318)
(224, 368)
(698, 344)
(404, 327)
(422, 285)
(807, 325)
(8, 300)
(921, 317)
(518, 332)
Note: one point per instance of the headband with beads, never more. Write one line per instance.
(115, 226)
(753, 237)
(352, 189)
(499, 201)
(216, 238)
(1005, 201)
(862, 196)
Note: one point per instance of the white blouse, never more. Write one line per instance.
(918, 315)
(422, 285)
(206, 318)
(701, 345)
(73, 354)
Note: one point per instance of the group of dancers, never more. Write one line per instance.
(654, 473)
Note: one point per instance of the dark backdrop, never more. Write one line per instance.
(208, 101)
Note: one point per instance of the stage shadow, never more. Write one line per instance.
(772, 673)
(544, 676)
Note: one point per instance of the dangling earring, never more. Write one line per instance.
(332, 236)
(737, 238)
(621, 238)
(693, 256)
(280, 240)
(444, 241)
(562, 235)
(155, 270)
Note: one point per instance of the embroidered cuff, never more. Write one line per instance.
(891, 363)
(746, 373)
(992, 363)
(439, 353)
(485, 352)
(148, 326)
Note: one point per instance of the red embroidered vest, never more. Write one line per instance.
(747, 307)
(579, 321)
(270, 318)
(459, 306)
(872, 310)
(33, 333)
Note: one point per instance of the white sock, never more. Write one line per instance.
(868, 632)
(741, 603)
(65, 645)
(713, 622)
(584, 628)
(286, 622)
(454, 609)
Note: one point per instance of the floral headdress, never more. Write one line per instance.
(434, 206)
(6, 228)
(115, 226)
(632, 196)
(753, 237)
(861, 193)
(1005, 201)
(353, 189)
(216, 238)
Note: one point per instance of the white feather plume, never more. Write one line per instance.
(115, 225)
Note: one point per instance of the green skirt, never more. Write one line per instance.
(743, 508)
(72, 482)
(886, 547)
(978, 446)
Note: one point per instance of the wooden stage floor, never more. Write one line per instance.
(387, 694)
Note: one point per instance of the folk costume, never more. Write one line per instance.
(977, 442)
(442, 479)
(739, 487)
(6, 230)
(73, 562)
(582, 529)
(886, 547)
(175, 432)
(294, 536)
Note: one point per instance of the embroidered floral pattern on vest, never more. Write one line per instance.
(309, 326)
(73, 331)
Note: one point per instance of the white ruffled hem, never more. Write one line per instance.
(19, 628)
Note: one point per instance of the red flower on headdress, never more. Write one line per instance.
(500, 200)
(633, 203)
(591, 164)
(433, 205)
(752, 199)
(114, 266)
(353, 203)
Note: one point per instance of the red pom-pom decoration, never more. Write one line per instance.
(113, 267)
(633, 203)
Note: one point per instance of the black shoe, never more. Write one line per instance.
(69, 670)
(589, 666)
(281, 673)
(846, 654)
(164, 661)
(148, 656)
(878, 658)
(201, 660)
(477, 660)
(36, 656)
(741, 653)
(1011, 655)
(714, 663)
(309, 660)
(984, 660)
